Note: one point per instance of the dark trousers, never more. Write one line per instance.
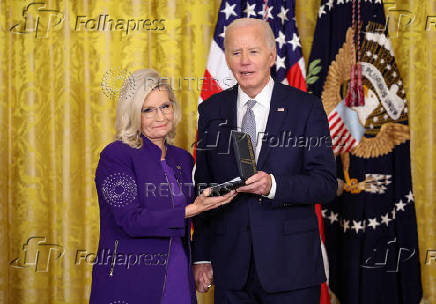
(253, 293)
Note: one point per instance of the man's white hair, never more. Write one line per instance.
(242, 22)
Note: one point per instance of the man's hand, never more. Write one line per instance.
(259, 183)
(203, 276)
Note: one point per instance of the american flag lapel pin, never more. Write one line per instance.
(280, 109)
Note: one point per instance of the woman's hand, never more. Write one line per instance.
(204, 203)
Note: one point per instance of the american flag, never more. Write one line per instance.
(289, 68)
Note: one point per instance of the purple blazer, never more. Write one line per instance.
(137, 221)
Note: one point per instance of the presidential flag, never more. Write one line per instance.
(371, 231)
(289, 68)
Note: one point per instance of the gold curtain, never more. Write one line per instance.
(58, 77)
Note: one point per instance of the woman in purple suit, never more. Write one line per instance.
(146, 199)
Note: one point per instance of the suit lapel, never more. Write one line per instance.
(277, 112)
(229, 122)
(228, 108)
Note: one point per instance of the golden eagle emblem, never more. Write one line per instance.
(375, 128)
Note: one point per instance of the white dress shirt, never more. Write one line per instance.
(261, 113)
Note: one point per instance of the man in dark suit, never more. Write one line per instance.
(264, 247)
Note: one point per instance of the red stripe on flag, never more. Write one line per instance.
(320, 223)
(325, 297)
(338, 139)
(339, 120)
(347, 142)
(295, 77)
(343, 142)
(333, 116)
(210, 86)
(340, 136)
(337, 131)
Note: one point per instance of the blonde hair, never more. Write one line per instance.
(134, 91)
(242, 22)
